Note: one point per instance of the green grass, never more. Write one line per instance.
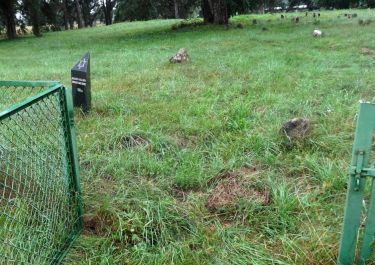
(218, 113)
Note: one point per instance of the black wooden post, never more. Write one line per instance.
(81, 84)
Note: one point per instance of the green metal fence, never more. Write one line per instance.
(359, 221)
(40, 202)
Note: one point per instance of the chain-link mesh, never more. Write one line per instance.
(12, 95)
(38, 198)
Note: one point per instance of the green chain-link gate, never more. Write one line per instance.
(359, 172)
(40, 201)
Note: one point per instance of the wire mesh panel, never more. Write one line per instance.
(40, 208)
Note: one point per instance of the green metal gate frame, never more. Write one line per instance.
(360, 170)
(73, 178)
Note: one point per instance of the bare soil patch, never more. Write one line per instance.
(368, 51)
(232, 186)
(92, 225)
(98, 224)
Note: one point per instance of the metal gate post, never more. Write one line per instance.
(359, 171)
(74, 155)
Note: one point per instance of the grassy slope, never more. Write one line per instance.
(220, 112)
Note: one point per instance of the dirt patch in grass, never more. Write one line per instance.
(231, 186)
(368, 51)
(98, 224)
(92, 226)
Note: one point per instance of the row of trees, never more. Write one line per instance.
(52, 15)
(16, 15)
(150, 9)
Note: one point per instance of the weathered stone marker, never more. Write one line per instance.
(81, 84)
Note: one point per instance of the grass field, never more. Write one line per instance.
(161, 137)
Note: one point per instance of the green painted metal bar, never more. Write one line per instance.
(14, 83)
(74, 179)
(357, 181)
(61, 254)
(74, 154)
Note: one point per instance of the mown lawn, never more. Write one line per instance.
(161, 137)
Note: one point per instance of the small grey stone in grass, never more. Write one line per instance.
(297, 128)
(180, 57)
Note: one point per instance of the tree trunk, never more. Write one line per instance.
(262, 7)
(66, 14)
(107, 10)
(7, 8)
(176, 15)
(271, 6)
(215, 11)
(11, 26)
(221, 12)
(86, 13)
(35, 13)
(207, 11)
(71, 23)
(79, 14)
(36, 27)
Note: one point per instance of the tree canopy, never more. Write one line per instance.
(46, 15)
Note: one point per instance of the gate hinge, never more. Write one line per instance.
(358, 171)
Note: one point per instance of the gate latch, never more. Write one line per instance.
(358, 171)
